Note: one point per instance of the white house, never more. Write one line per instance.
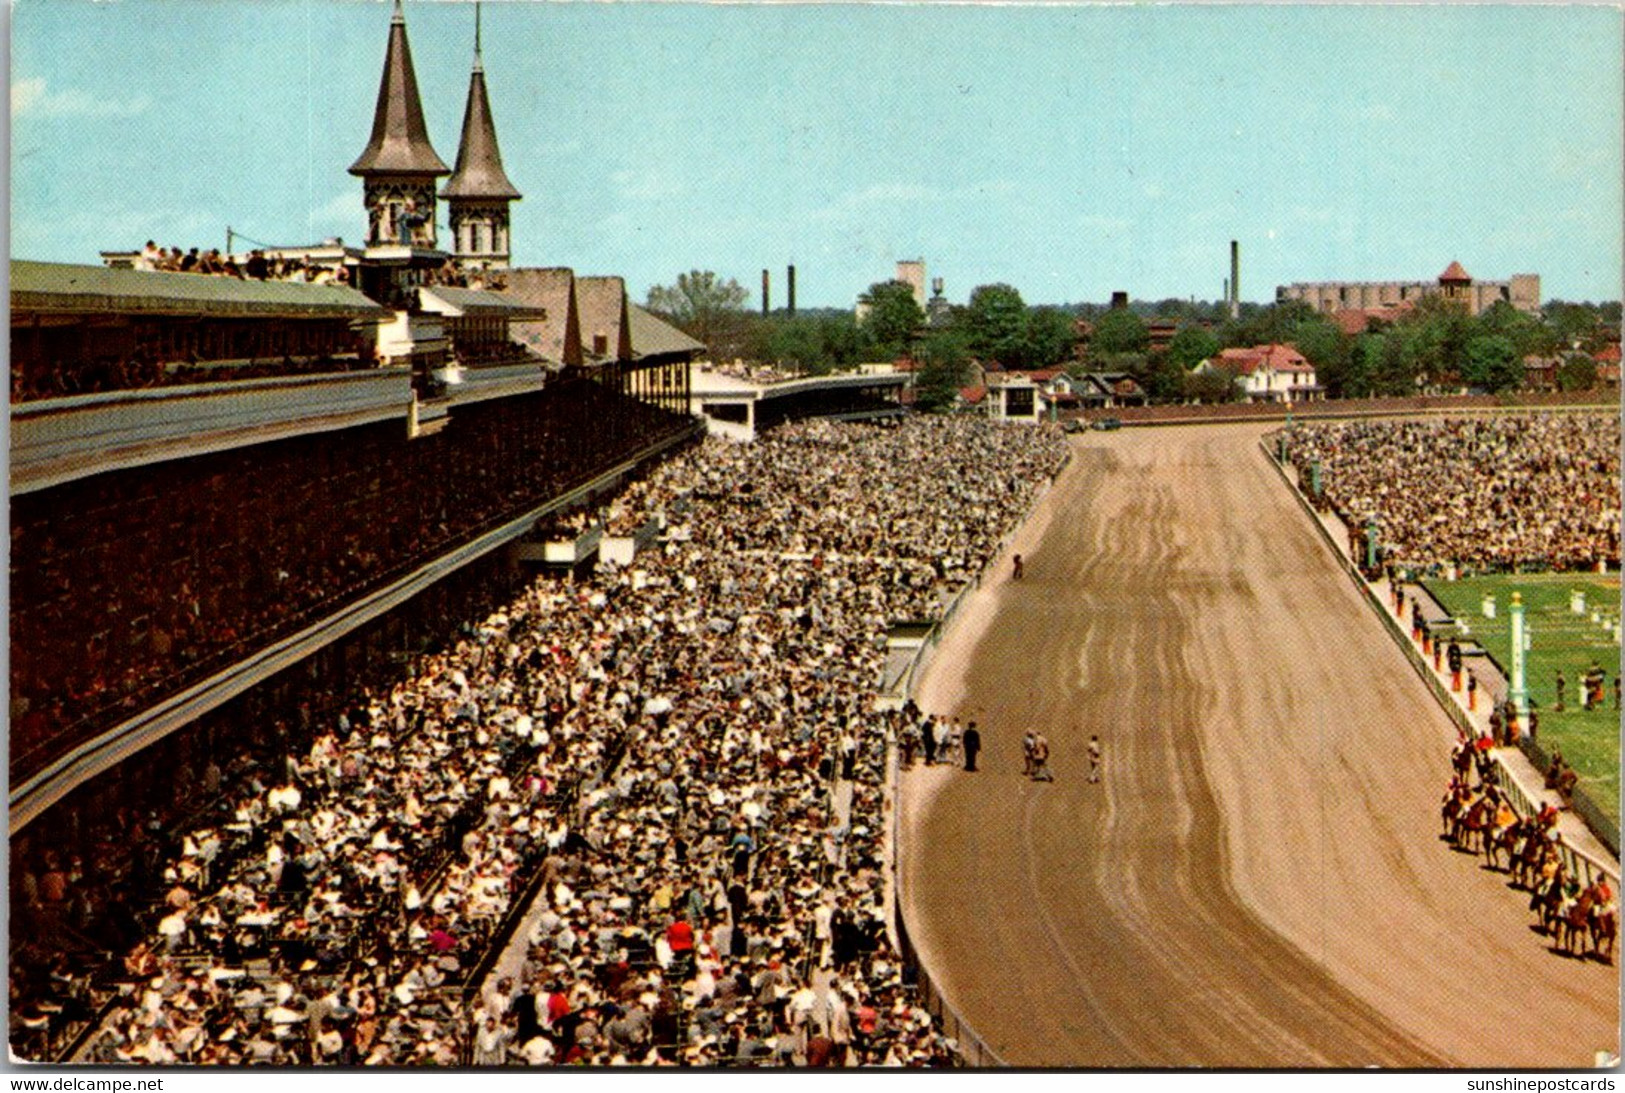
(1267, 373)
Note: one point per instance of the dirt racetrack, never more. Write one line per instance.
(1258, 881)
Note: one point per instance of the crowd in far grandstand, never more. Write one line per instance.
(257, 265)
(682, 759)
(755, 372)
(1521, 492)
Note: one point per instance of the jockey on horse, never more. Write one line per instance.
(1476, 822)
(1502, 834)
(1604, 921)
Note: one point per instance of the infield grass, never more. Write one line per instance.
(1559, 639)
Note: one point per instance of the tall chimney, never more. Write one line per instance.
(765, 304)
(790, 287)
(1235, 279)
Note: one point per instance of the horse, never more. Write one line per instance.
(1450, 813)
(1604, 928)
(1527, 856)
(1547, 901)
(1507, 838)
(1574, 923)
(1475, 825)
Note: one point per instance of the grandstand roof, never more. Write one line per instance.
(652, 336)
(557, 337)
(60, 287)
(603, 312)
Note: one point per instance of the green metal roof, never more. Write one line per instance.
(58, 287)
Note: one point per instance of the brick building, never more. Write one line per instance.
(1521, 290)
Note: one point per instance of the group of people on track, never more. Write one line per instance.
(1478, 816)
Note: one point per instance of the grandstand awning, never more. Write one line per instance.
(63, 288)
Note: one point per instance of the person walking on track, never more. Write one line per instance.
(1094, 758)
(1019, 568)
(1041, 771)
(972, 743)
(1027, 754)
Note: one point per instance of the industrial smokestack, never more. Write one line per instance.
(790, 287)
(1235, 279)
(765, 304)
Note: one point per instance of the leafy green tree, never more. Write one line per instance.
(1211, 385)
(1276, 323)
(893, 317)
(944, 361)
(1574, 324)
(792, 343)
(1392, 368)
(704, 306)
(1118, 331)
(1492, 362)
(994, 323)
(1527, 334)
(1365, 365)
(1326, 347)
(1191, 345)
(1578, 372)
(1050, 337)
(815, 344)
(843, 343)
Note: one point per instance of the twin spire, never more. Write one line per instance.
(479, 171)
(400, 141)
(399, 147)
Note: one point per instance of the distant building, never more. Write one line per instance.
(1267, 373)
(912, 273)
(1521, 290)
(1607, 359)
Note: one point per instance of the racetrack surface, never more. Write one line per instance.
(1258, 881)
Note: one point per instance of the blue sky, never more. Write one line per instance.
(1069, 151)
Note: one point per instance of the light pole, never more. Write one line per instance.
(1519, 694)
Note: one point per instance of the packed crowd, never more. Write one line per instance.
(682, 758)
(129, 585)
(257, 266)
(1514, 492)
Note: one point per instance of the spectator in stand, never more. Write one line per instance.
(1521, 492)
(689, 702)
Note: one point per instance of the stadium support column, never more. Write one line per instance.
(1519, 694)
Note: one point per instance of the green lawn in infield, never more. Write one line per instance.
(1558, 639)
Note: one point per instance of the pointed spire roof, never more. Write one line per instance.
(1454, 274)
(400, 140)
(479, 161)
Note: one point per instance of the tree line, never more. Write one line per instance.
(1434, 346)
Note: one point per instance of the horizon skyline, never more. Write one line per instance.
(625, 180)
